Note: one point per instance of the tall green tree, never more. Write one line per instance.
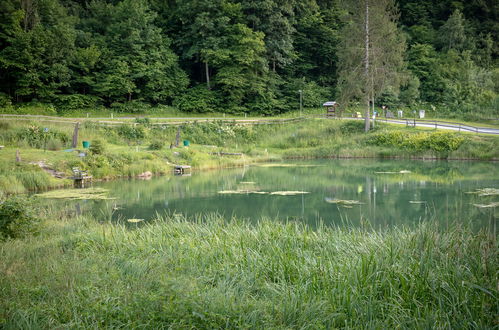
(371, 53)
(134, 56)
(276, 19)
(37, 50)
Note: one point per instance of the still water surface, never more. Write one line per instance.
(424, 190)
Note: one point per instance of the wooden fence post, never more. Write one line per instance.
(75, 135)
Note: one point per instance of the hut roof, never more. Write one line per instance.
(330, 104)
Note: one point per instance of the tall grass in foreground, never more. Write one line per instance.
(211, 273)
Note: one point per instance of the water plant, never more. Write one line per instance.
(85, 194)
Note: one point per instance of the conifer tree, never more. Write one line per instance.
(371, 52)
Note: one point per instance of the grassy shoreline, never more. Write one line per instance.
(213, 273)
(133, 149)
(210, 272)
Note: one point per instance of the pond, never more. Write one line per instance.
(334, 192)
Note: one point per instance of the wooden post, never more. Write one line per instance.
(18, 156)
(177, 138)
(75, 135)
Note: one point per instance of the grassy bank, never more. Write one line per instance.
(211, 273)
(129, 150)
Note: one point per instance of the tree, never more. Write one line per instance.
(452, 35)
(134, 58)
(371, 51)
(275, 18)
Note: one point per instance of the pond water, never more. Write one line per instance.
(384, 193)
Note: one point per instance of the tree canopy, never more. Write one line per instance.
(248, 55)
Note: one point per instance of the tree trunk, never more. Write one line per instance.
(207, 69)
(366, 68)
(75, 135)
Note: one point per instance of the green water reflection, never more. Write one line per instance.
(431, 190)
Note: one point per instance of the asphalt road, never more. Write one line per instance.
(179, 120)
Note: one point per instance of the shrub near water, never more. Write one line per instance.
(440, 142)
(17, 218)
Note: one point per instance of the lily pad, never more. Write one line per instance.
(483, 206)
(76, 194)
(135, 220)
(485, 192)
(241, 192)
(287, 165)
(399, 172)
(342, 202)
(289, 193)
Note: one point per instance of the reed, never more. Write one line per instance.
(212, 273)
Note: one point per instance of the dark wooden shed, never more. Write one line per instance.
(330, 108)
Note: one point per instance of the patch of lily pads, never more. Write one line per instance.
(343, 202)
(279, 193)
(485, 192)
(77, 194)
(399, 172)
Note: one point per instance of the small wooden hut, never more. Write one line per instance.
(331, 108)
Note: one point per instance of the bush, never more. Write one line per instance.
(156, 145)
(5, 101)
(54, 144)
(132, 133)
(76, 101)
(197, 99)
(440, 142)
(352, 127)
(35, 136)
(17, 219)
(97, 147)
(131, 107)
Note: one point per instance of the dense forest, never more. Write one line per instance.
(251, 56)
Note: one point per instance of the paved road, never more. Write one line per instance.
(442, 125)
(179, 120)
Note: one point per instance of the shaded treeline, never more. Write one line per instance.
(235, 55)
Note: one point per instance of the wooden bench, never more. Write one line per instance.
(79, 177)
(181, 169)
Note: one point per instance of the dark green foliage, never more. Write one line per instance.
(17, 218)
(218, 133)
(97, 147)
(237, 56)
(132, 133)
(36, 137)
(156, 145)
(352, 127)
(198, 100)
(439, 142)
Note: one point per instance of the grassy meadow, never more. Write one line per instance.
(213, 273)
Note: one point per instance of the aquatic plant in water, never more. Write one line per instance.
(74, 194)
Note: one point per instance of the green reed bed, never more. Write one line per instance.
(212, 273)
